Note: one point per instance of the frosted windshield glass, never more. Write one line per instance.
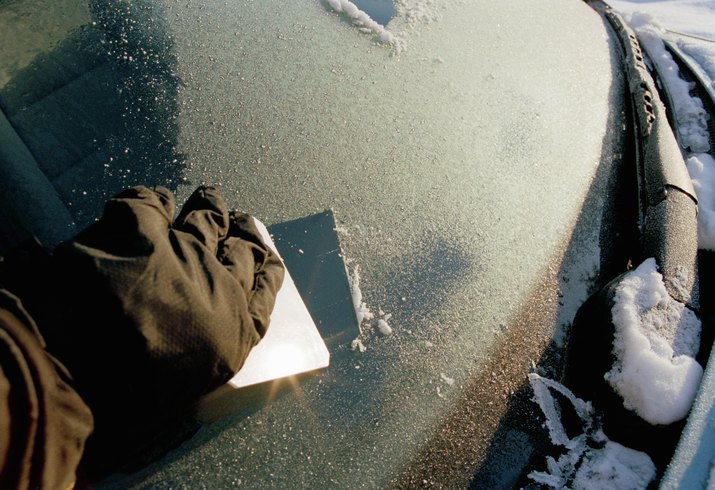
(455, 160)
(455, 169)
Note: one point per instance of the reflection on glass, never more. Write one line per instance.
(90, 88)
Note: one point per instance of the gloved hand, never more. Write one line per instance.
(148, 315)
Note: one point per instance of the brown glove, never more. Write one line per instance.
(153, 314)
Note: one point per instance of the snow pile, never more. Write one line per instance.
(384, 327)
(364, 313)
(690, 115)
(363, 21)
(357, 345)
(591, 459)
(703, 54)
(701, 168)
(361, 309)
(655, 343)
(689, 17)
(614, 466)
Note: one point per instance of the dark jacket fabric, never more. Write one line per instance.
(149, 313)
(43, 421)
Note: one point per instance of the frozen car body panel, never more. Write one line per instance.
(691, 466)
(458, 167)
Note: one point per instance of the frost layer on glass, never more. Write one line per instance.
(455, 166)
(456, 169)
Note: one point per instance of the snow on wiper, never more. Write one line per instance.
(690, 115)
(656, 341)
(591, 459)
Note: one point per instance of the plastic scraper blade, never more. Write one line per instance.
(313, 303)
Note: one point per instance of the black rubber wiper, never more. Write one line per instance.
(668, 205)
(668, 232)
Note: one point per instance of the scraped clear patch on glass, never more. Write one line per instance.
(364, 20)
(381, 11)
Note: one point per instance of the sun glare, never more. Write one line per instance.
(284, 360)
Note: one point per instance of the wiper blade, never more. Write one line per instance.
(667, 200)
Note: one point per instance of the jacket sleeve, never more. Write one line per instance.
(43, 422)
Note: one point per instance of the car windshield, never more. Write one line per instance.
(464, 157)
